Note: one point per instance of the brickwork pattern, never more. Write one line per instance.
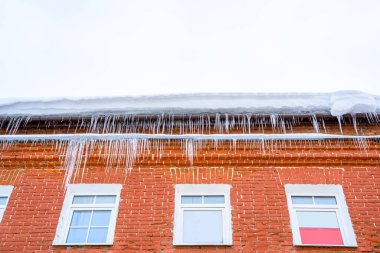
(260, 217)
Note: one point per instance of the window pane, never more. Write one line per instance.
(202, 227)
(317, 219)
(101, 218)
(77, 235)
(191, 200)
(83, 200)
(325, 200)
(105, 199)
(1, 213)
(97, 235)
(81, 218)
(214, 199)
(3, 200)
(302, 200)
(323, 236)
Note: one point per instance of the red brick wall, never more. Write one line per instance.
(260, 217)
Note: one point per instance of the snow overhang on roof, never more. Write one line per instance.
(336, 104)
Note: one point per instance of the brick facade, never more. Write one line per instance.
(260, 217)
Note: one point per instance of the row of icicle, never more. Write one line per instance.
(122, 153)
(186, 124)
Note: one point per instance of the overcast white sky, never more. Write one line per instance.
(77, 48)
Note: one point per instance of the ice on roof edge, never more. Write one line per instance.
(335, 103)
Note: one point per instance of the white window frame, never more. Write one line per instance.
(68, 209)
(5, 191)
(341, 209)
(203, 190)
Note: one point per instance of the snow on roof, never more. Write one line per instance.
(336, 103)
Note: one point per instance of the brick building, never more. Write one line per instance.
(217, 173)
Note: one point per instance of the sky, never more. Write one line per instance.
(80, 48)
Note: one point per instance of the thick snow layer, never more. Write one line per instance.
(337, 103)
(353, 102)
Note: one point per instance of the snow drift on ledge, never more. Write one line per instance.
(336, 104)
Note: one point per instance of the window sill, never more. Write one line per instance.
(202, 244)
(82, 244)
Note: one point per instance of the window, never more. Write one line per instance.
(5, 193)
(88, 215)
(319, 216)
(202, 215)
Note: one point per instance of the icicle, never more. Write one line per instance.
(132, 153)
(232, 122)
(93, 124)
(13, 125)
(354, 123)
(361, 144)
(249, 122)
(190, 151)
(339, 117)
(263, 148)
(323, 125)
(217, 124)
(226, 123)
(274, 121)
(73, 158)
(234, 145)
(315, 123)
(283, 127)
(369, 118)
